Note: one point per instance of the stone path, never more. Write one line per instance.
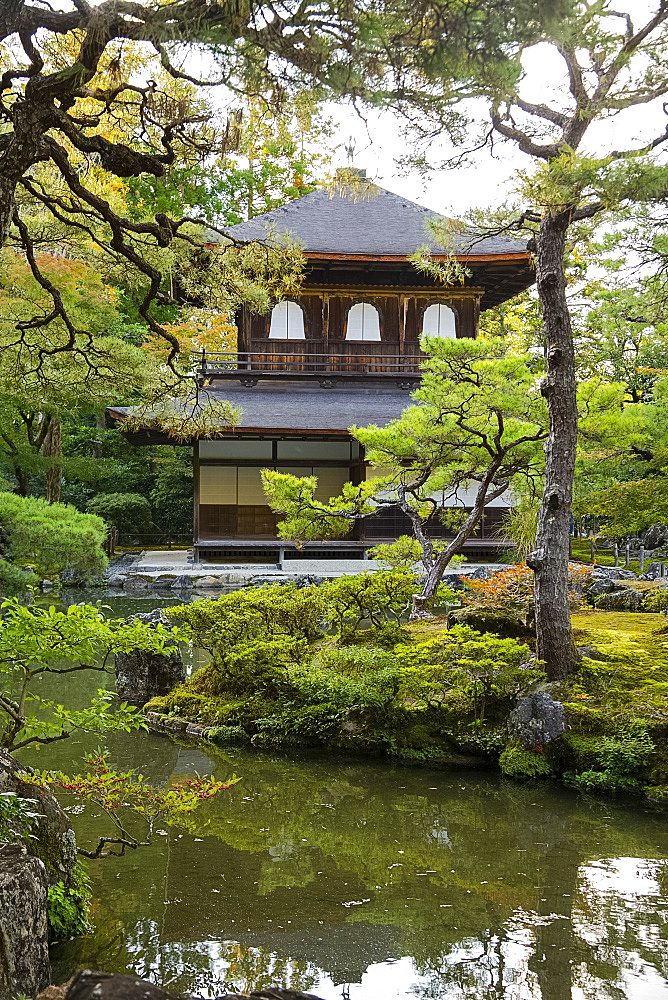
(174, 570)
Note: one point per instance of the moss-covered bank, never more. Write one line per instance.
(333, 666)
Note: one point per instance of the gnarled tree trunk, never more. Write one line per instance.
(435, 566)
(549, 560)
(53, 449)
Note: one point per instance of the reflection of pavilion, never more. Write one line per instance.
(278, 924)
(515, 901)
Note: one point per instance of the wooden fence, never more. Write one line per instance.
(149, 539)
(625, 554)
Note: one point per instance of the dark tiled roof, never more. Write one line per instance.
(380, 223)
(305, 408)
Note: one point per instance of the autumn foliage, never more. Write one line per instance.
(122, 795)
(511, 590)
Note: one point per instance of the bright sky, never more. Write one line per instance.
(489, 180)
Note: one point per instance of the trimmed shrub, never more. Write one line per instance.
(14, 580)
(52, 537)
(657, 601)
(127, 512)
(465, 671)
(511, 591)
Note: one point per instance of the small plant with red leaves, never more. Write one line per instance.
(126, 800)
(511, 590)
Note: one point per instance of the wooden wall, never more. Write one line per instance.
(325, 313)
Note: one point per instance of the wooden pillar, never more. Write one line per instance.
(359, 475)
(476, 316)
(402, 322)
(325, 327)
(325, 320)
(195, 499)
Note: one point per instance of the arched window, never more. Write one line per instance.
(438, 321)
(363, 322)
(287, 321)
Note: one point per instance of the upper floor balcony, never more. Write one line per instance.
(308, 361)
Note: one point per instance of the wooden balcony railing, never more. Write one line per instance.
(251, 366)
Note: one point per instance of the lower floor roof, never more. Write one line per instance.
(302, 408)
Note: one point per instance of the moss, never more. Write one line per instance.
(658, 794)
(226, 734)
(581, 751)
(501, 623)
(426, 628)
(414, 702)
(515, 762)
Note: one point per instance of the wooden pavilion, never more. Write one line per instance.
(345, 350)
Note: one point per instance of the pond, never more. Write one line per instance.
(358, 879)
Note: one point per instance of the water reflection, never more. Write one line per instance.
(361, 880)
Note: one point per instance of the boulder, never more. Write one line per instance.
(612, 573)
(142, 674)
(164, 581)
(136, 582)
(655, 536)
(537, 721)
(654, 572)
(24, 951)
(622, 600)
(196, 730)
(502, 623)
(484, 572)
(601, 585)
(117, 581)
(207, 583)
(54, 842)
(182, 582)
(356, 721)
(88, 985)
(154, 617)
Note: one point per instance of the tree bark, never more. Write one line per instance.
(435, 567)
(7, 203)
(549, 560)
(22, 480)
(53, 449)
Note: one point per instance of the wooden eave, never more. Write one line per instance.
(400, 259)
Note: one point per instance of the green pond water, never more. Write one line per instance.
(359, 879)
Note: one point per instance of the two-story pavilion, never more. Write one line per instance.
(345, 351)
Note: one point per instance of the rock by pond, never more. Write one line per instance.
(24, 952)
(537, 721)
(87, 985)
(54, 842)
(142, 674)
